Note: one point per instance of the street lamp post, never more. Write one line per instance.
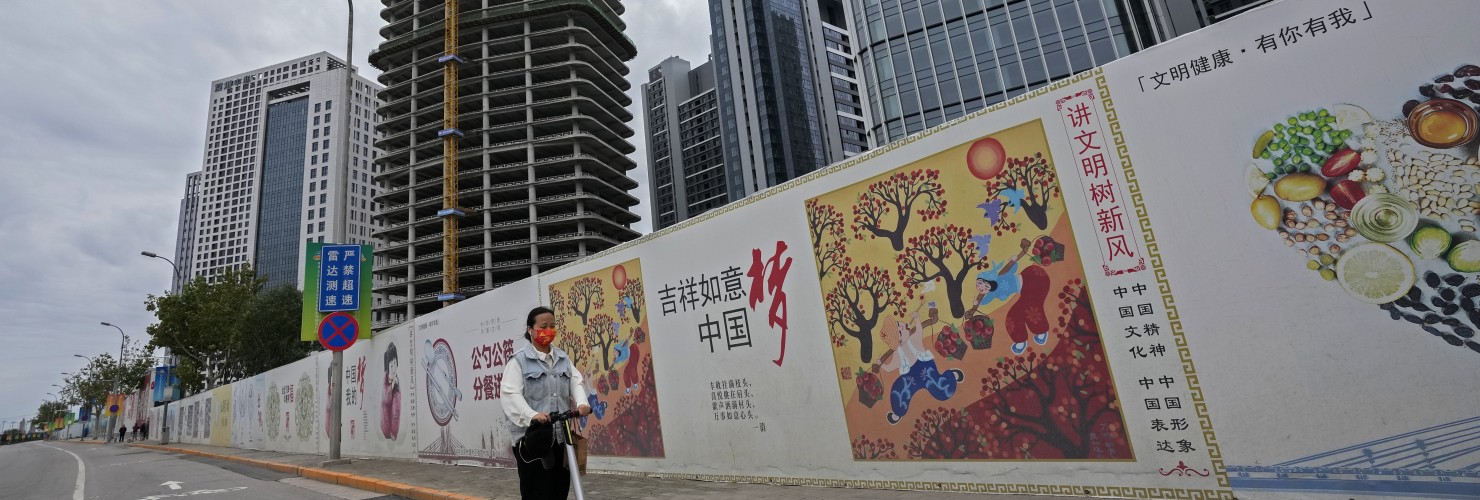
(113, 419)
(53, 399)
(98, 411)
(179, 283)
(65, 425)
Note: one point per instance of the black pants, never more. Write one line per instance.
(538, 483)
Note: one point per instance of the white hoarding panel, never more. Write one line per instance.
(458, 357)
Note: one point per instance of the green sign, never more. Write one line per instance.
(312, 265)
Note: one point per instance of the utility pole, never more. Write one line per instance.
(341, 226)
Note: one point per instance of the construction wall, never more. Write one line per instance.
(1092, 289)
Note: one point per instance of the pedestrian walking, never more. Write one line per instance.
(144, 429)
(553, 384)
(122, 433)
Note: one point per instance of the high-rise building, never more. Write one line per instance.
(845, 123)
(541, 163)
(788, 89)
(269, 176)
(930, 61)
(686, 158)
(185, 231)
(1212, 11)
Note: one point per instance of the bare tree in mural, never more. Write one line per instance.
(945, 253)
(885, 207)
(585, 296)
(828, 228)
(601, 333)
(632, 295)
(857, 301)
(1027, 183)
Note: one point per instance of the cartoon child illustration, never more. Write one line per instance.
(390, 399)
(917, 370)
(1027, 291)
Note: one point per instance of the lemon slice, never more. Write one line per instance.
(1256, 181)
(1350, 117)
(1375, 273)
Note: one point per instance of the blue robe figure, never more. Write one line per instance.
(999, 285)
(917, 371)
(623, 351)
(996, 285)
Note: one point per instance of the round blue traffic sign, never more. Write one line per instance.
(338, 331)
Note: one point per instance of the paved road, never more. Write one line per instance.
(70, 470)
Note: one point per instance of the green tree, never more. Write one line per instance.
(229, 328)
(91, 385)
(48, 412)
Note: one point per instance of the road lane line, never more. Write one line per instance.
(81, 472)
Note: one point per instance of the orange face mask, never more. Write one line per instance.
(544, 336)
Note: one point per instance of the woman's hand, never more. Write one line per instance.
(542, 417)
(584, 410)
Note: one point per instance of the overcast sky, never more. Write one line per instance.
(102, 113)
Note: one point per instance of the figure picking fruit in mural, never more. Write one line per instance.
(1026, 291)
(917, 370)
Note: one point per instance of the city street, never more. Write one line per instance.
(71, 470)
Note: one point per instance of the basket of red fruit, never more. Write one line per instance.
(949, 342)
(870, 388)
(979, 330)
(1047, 251)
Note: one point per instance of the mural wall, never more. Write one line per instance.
(1058, 295)
(459, 356)
(378, 399)
(601, 318)
(957, 311)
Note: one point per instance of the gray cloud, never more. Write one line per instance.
(102, 117)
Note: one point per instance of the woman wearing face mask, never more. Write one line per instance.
(540, 380)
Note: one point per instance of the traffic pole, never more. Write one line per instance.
(341, 231)
(337, 404)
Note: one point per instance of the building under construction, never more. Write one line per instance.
(504, 140)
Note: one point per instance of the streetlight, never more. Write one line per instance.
(178, 281)
(97, 410)
(179, 284)
(122, 341)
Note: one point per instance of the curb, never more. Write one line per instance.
(327, 476)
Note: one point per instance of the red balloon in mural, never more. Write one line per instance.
(986, 158)
(619, 277)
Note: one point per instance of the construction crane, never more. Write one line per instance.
(450, 134)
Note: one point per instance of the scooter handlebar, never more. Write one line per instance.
(558, 416)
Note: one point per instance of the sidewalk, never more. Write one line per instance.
(429, 481)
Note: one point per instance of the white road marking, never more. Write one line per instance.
(81, 472)
(194, 493)
(174, 485)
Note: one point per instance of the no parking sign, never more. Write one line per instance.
(338, 331)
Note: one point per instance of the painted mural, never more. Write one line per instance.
(602, 322)
(956, 306)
